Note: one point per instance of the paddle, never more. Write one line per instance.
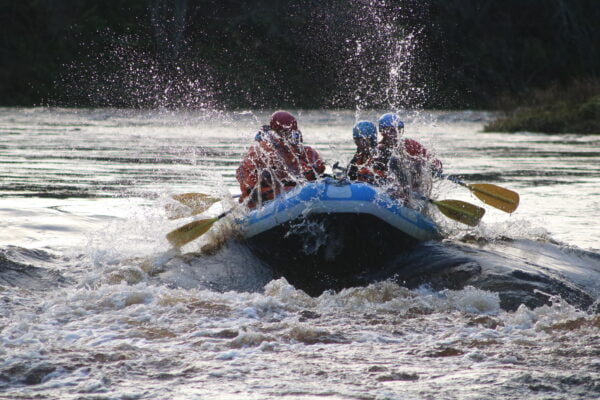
(194, 199)
(193, 230)
(197, 202)
(495, 196)
(458, 210)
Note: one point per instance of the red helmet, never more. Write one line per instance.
(282, 121)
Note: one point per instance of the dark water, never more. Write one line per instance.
(94, 304)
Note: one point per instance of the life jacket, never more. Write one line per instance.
(272, 166)
(361, 167)
(401, 168)
(410, 148)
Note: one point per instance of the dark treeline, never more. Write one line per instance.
(298, 53)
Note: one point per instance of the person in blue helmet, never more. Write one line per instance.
(403, 162)
(365, 138)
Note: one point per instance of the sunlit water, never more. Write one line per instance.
(94, 304)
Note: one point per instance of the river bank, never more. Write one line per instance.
(573, 109)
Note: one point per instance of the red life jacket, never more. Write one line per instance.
(272, 166)
(406, 171)
(416, 149)
(412, 148)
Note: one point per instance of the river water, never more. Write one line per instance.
(95, 305)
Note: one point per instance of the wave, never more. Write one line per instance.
(16, 269)
(519, 271)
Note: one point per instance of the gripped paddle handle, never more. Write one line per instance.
(452, 178)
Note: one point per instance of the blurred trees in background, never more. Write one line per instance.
(498, 50)
(292, 53)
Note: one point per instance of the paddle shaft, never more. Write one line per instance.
(493, 195)
(196, 202)
(468, 186)
(191, 199)
(193, 230)
(457, 210)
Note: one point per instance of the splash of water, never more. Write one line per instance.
(376, 54)
(371, 53)
(121, 70)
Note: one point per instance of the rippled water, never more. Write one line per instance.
(94, 304)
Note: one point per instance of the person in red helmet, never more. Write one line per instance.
(277, 161)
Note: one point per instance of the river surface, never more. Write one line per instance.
(95, 305)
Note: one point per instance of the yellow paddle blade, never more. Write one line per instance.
(197, 202)
(189, 232)
(496, 196)
(193, 200)
(460, 211)
(187, 198)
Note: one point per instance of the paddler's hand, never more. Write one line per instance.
(266, 179)
(336, 165)
(311, 174)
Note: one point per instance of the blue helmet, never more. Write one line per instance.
(367, 130)
(390, 120)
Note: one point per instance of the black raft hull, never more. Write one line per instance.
(327, 234)
(329, 251)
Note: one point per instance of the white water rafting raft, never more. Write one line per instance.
(329, 233)
(322, 235)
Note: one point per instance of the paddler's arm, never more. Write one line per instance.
(247, 173)
(316, 166)
(352, 170)
(416, 149)
(437, 168)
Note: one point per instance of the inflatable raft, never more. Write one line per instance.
(325, 234)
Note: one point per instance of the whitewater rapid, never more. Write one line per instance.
(95, 304)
